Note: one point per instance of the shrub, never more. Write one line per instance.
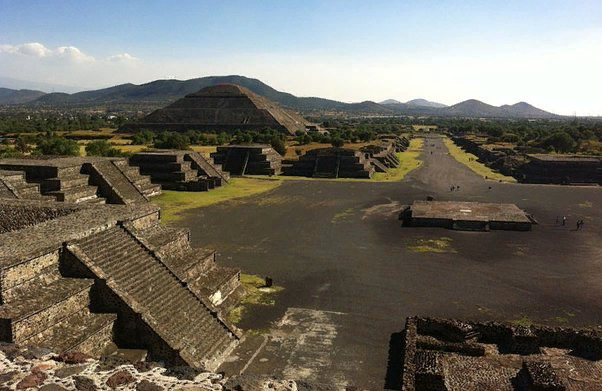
(337, 142)
(59, 146)
(278, 144)
(102, 148)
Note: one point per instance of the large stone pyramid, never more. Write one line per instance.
(223, 107)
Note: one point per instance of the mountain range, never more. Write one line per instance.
(163, 92)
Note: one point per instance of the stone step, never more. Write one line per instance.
(151, 190)
(57, 184)
(181, 319)
(12, 177)
(172, 176)
(83, 332)
(40, 306)
(75, 194)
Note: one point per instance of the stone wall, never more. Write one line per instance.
(18, 217)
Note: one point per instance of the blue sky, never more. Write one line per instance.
(548, 53)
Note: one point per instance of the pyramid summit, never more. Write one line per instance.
(222, 107)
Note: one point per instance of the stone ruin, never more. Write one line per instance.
(75, 180)
(180, 170)
(561, 169)
(533, 165)
(450, 355)
(331, 163)
(221, 108)
(382, 156)
(466, 216)
(81, 275)
(248, 159)
(401, 143)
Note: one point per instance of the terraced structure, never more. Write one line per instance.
(85, 265)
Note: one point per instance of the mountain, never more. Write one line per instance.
(17, 84)
(14, 97)
(424, 103)
(472, 108)
(160, 93)
(523, 109)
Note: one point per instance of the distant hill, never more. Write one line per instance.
(523, 109)
(164, 92)
(424, 103)
(14, 97)
(472, 108)
(390, 102)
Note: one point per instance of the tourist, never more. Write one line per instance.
(563, 220)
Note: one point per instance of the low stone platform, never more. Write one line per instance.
(248, 159)
(95, 180)
(331, 163)
(454, 355)
(180, 170)
(472, 216)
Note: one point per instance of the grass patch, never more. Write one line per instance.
(465, 158)
(441, 245)
(586, 204)
(204, 149)
(342, 216)
(173, 203)
(524, 321)
(408, 161)
(257, 294)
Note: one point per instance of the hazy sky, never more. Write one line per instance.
(548, 53)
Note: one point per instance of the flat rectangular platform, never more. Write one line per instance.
(477, 216)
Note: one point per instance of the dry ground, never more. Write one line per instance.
(351, 273)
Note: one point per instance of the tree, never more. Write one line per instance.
(171, 140)
(143, 137)
(278, 144)
(58, 146)
(101, 148)
(21, 145)
(560, 141)
(337, 142)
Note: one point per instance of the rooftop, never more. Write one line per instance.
(565, 158)
(472, 211)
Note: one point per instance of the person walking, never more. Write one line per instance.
(563, 220)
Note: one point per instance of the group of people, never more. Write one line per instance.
(564, 221)
(454, 187)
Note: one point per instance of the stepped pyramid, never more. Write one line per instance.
(97, 278)
(224, 107)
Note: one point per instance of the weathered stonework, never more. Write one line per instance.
(557, 358)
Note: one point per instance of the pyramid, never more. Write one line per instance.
(221, 108)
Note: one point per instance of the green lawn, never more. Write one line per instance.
(465, 158)
(408, 161)
(173, 203)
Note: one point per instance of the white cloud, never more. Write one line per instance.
(72, 53)
(36, 49)
(122, 57)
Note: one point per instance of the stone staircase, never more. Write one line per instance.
(14, 185)
(113, 183)
(141, 182)
(180, 170)
(71, 186)
(155, 292)
(41, 307)
(207, 168)
(212, 283)
(252, 159)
